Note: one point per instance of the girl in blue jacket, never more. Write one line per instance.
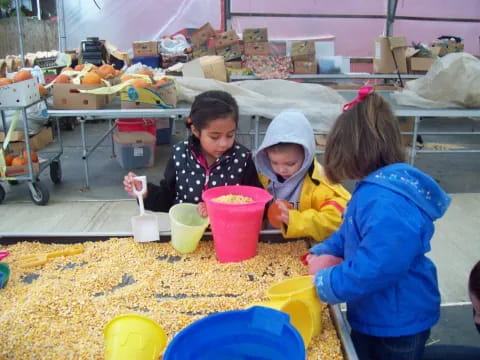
(388, 283)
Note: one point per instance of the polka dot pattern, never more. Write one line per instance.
(191, 175)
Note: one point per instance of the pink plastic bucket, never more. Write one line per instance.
(236, 227)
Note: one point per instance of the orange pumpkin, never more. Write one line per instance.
(8, 159)
(62, 79)
(145, 71)
(274, 211)
(22, 75)
(91, 78)
(68, 68)
(79, 67)
(41, 89)
(5, 81)
(33, 156)
(18, 161)
(140, 83)
(106, 71)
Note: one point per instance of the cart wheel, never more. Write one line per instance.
(56, 172)
(41, 195)
(2, 194)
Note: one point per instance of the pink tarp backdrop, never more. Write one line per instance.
(354, 37)
(123, 22)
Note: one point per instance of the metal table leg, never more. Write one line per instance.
(84, 149)
(256, 135)
(414, 140)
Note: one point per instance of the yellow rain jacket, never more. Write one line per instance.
(320, 207)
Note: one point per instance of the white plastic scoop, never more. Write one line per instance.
(144, 226)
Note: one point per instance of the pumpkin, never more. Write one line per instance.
(22, 75)
(274, 211)
(68, 68)
(145, 71)
(41, 89)
(106, 71)
(18, 161)
(140, 83)
(91, 78)
(79, 67)
(5, 81)
(62, 79)
(33, 155)
(8, 159)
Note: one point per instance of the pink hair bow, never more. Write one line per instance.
(363, 92)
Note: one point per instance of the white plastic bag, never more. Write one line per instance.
(174, 46)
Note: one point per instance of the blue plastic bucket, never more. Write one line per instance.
(257, 333)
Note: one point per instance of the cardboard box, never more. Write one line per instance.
(145, 48)
(202, 35)
(230, 52)
(210, 67)
(305, 67)
(419, 64)
(255, 35)
(67, 97)
(227, 38)
(387, 52)
(37, 141)
(156, 97)
(303, 50)
(22, 93)
(257, 48)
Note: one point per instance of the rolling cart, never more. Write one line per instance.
(38, 191)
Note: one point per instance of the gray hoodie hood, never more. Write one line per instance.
(290, 126)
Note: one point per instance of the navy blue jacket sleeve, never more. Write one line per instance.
(161, 197)
(390, 232)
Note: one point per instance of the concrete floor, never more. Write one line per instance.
(106, 208)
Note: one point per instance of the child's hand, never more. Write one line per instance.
(128, 183)
(202, 209)
(277, 213)
(320, 262)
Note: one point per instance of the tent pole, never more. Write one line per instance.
(20, 31)
(39, 10)
(391, 10)
(62, 37)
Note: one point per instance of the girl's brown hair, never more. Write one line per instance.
(363, 139)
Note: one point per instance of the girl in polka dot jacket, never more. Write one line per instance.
(209, 158)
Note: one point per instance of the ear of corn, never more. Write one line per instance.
(61, 313)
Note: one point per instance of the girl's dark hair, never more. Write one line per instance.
(362, 140)
(474, 281)
(211, 105)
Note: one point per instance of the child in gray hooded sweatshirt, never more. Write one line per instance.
(288, 169)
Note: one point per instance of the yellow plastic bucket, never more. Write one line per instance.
(187, 227)
(300, 288)
(133, 336)
(300, 316)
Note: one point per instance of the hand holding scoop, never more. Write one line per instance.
(144, 226)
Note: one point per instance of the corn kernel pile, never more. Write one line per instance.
(59, 310)
(233, 199)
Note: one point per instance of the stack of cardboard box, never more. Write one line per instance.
(227, 44)
(303, 56)
(202, 41)
(255, 42)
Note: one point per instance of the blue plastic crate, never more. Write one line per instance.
(164, 136)
(152, 61)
